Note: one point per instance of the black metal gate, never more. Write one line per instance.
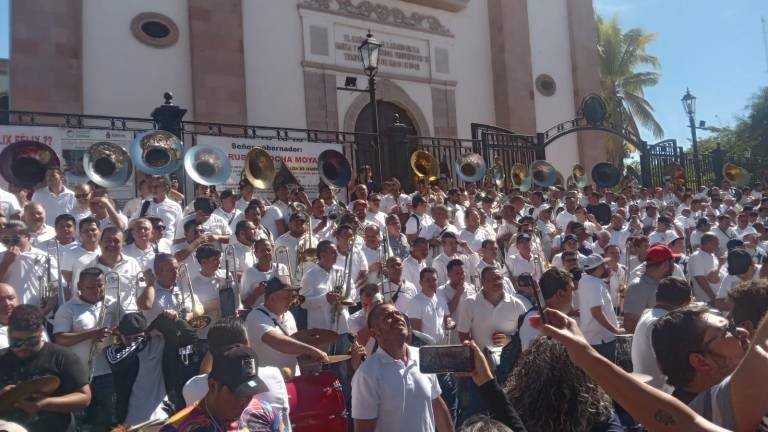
(505, 146)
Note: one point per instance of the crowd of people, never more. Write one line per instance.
(586, 309)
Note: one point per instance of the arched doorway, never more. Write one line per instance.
(394, 159)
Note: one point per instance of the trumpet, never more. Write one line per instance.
(198, 321)
(343, 286)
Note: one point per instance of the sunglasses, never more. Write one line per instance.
(82, 195)
(21, 343)
(160, 227)
(723, 331)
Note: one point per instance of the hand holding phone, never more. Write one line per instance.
(446, 359)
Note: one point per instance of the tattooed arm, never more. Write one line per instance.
(656, 410)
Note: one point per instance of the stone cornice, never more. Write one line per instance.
(449, 5)
(368, 11)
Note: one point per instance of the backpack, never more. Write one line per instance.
(418, 223)
(511, 352)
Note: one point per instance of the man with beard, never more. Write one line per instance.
(641, 294)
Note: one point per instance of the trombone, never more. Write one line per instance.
(306, 253)
(343, 286)
(230, 294)
(198, 321)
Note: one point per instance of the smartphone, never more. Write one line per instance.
(538, 299)
(446, 358)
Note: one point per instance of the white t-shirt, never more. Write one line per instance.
(171, 299)
(9, 204)
(170, 212)
(394, 393)
(70, 258)
(207, 292)
(197, 387)
(405, 292)
(412, 269)
(700, 264)
(76, 316)
(412, 226)
(643, 357)
(481, 319)
(729, 282)
(127, 268)
(252, 277)
(54, 205)
(260, 322)
(447, 292)
(277, 211)
(475, 239)
(317, 282)
(440, 263)
(145, 258)
(28, 274)
(430, 311)
(592, 292)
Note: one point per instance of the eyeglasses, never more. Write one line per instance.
(20, 343)
(160, 227)
(82, 195)
(728, 328)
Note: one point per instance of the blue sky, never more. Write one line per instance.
(715, 47)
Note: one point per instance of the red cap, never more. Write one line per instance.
(658, 253)
(658, 189)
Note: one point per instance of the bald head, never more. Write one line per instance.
(34, 216)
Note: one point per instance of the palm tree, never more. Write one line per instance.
(622, 56)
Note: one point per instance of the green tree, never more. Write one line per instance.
(624, 64)
(749, 136)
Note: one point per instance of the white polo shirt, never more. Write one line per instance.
(592, 292)
(481, 319)
(170, 212)
(76, 316)
(145, 258)
(71, 257)
(127, 268)
(447, 292)
(518, 265)
(278, 210)
(54, 204)
(314, 286)
(476, 239)
(9, 204)
(228, 217)
(207, 292)
(244, 257)
(252, 277)
(261, 321)
(643, 356)
(394, 393)
(700, 264)
(411, 270)
(430, 311)
(440, 263)
(412, 226)
(28, 274)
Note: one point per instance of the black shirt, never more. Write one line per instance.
(50, 360)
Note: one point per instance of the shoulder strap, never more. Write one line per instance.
(418, 222)
(274, 321)
(144, 207)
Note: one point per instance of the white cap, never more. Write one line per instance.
(749, 231)
(591, 262)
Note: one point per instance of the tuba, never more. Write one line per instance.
(520, 177)
(606, 175)
(497, 173)
(424, 165)
(259, 168)
(579, 175)
(543, 173)
(107, 164)
(157, 152)
(471, 168)
(207, 165)
(334, 169)
(736, 174)
(675, 174)
(24, 163)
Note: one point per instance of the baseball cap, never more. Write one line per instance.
(132, 323)
(702, 221)
(522, 237)
(237, 368)
(658, 253)
(739, 261)
(276, 284)
(591, 262)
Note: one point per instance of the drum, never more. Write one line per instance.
(624, 351)
(317, 403)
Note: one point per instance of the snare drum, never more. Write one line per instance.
(317, 403)
(624, 351)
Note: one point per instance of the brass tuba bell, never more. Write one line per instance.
(259, 168)
(736, 174)
(157, 152)
(207, 165)
(424, 165)
(24, 163)
(579, 175)
(606, 175)
(675, 174)
(471, 168)
(520, 177)
(107, 164)
(543, 173)
(334, 169)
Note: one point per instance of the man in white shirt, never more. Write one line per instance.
(672, 293)
(142, 249)
(418, 221)
(54, 197)
(245, 236)
(567, 215)
(112, 259)
(82, 208)
(275, 219)
(702, 227)
(103, 209)
(434, 232)
(416, 261)
(86, 250)
(246, 195)
(524, 261)
(212, 224)
(8, 301)
(27, 268)
(455, 291)
(270, 327)
(256, 276)
(450, 246)
(252, 213)
(80, 323)
(9, 204)
(358, 265)
(472, 233)
(166, 294)
(597, 318)
(389, 393)
(557, 289)
(296, 239)
(208, 283)
(372, 250)
(322, 303)
(664, 232)
(397, 290)
(724, 232)
(34, 217)
(375, 215)
(162, 206)
(228, 210)
(428, 311)
(132, 208)
(194, 237)
(619, 234)
(703, 268)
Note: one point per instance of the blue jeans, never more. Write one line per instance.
(100, 414)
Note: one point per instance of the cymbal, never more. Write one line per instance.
(643, 378)
(44, 385)
(316, 337)
(338, 358)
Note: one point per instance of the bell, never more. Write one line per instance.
(259, 168)
(24, 163)
(207, 165)
(736, 175)
(334, 169)
(579, 175)
(107, 164)
(606, 175)
(543, 173)
(520, 177)
(424, 164)
(470, 168)
(157, 152)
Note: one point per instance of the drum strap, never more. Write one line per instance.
(274, 321)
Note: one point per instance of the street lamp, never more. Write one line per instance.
(369, 52)
(689, 105)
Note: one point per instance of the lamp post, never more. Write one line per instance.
(689, 105)
(369, 51)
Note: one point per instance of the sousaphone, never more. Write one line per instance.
(207, 165)
(157, 152)
(24, 163)
(579, 175)
(736, 174)
(334, 169)
(259, 168)
(543, 173)
(424, 165)
(470, 168)
(520, 177)
(606, 175)
(107, 164)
